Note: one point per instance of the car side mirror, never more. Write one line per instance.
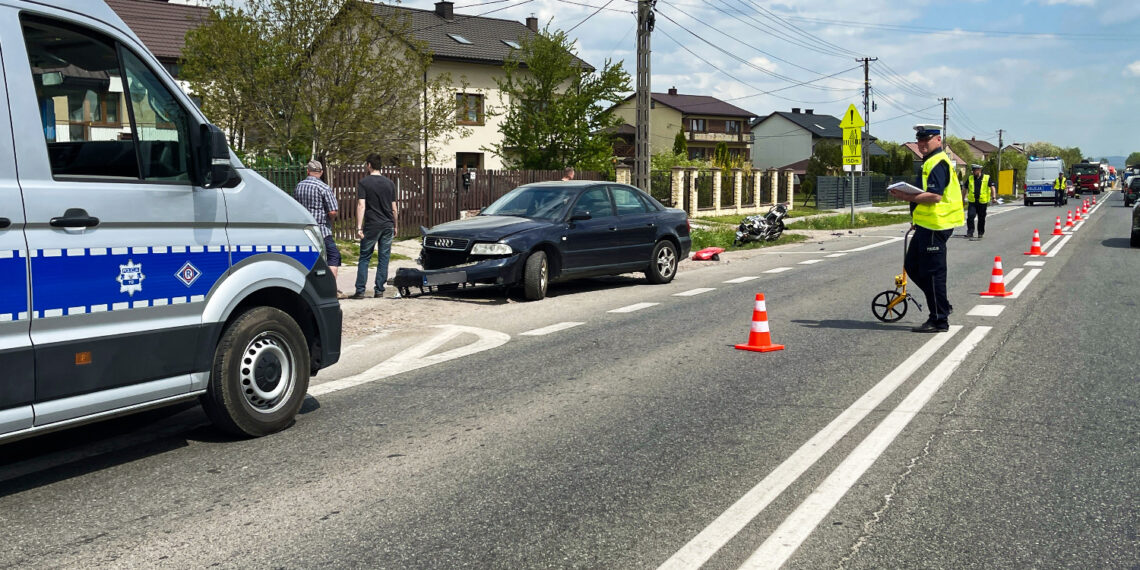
(215, 169)
(578, 216)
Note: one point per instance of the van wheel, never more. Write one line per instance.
(536, 276)
(260, 374)
(663, 263)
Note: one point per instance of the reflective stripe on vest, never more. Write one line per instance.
(946, 213)
(983, 195)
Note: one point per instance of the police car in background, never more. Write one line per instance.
(140, 263)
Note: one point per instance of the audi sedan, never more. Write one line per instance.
(553, 231)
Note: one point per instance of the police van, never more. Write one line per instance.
(141, 264)
(1040, 174)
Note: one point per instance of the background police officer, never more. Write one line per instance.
(978, 191)
(937, 210)
(1059, 189)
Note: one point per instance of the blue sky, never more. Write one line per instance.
(1063, 71)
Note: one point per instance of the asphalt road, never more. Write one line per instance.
(642, 438)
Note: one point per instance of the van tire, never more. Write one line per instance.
(260, 374)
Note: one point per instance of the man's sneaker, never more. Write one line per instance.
(378, 294)
(930, 327)
(358, 295)
(969, 236)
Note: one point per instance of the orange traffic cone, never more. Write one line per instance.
(997, 281)
(759, 340)
(1086, 209)
(1057, 228)
(1094, 200)
(1036, 249)
(1077, 215)
(1069, 220)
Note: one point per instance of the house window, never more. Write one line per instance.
(468, 109)
(732, 127)
(468, 160)
(697, 126)
(512, 44)
(460, 39)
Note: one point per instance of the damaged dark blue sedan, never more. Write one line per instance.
(553, 231)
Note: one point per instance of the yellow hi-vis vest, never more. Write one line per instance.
(983, 194)
(1059, 183)
(947, 213)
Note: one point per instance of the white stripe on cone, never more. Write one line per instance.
(761, 307)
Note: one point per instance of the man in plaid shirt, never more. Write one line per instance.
(318, 199)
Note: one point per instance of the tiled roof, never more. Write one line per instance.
(487, 36)
(982, 147)
(700, 105)
(160, 25)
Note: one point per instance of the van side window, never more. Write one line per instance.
(99, 122)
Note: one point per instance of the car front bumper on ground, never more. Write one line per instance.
(498, 271)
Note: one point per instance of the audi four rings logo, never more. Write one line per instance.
(444, 242)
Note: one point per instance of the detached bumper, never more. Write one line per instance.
(498, 271)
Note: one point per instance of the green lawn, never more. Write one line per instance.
(843, 221)
(350, 253)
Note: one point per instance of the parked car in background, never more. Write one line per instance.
(1135, 241)
(553, 231)
(1131, 191)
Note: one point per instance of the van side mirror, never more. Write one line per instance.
(215, 169)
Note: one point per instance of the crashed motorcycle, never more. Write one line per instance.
(768, 227)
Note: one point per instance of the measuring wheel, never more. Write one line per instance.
(880, 306)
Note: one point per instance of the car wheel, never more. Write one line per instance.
(260, 374)
(663, 263)
(1028, 202)
(536, 276)
(1135, 241)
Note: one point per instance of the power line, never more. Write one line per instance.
(595, 13)
(840, 51)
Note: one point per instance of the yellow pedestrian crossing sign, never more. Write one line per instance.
(852, 124)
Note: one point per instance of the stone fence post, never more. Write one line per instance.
(693, 192)
(678, 187)
(717, 179)
(757, 183)
(737, 186)
(774, 186)
(791, 188)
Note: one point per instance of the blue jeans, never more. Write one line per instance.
(383, 238)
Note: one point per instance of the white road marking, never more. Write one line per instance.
(986, 311)
(836, 255)
(551, 329)
(1077, 226)
(1053, 252)
(632, 308)
(810, 261)
(1009, 277)
(744, 279)
(419, 356)
(696, 291)
(782, 543)
(719, 532)
(1021, 285)
(1035, 263)
(1049, 243)
(872, 246)
(779, 270)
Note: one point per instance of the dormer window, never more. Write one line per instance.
(512, 44)
(460, 39)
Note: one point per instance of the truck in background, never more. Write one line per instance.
(1087, 177)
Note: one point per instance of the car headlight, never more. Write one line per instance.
(318, 239)
(491, 249)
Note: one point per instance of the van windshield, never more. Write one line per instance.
(1085, 169)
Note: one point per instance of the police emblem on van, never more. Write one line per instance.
(188, 274)
(130, 278)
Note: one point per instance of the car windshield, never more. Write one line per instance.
(538, 202)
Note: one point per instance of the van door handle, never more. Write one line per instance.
(5, 222)
(74, 218)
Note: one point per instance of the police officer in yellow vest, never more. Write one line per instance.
(978, 192)
(935, 212)
(1059, 185)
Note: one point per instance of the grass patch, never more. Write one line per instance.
(350, 253)
(734, 219)
(722, 236)
(843, 221)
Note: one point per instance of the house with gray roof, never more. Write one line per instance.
(782, 139)
(162, 27)
(983, 149)
(706, 121)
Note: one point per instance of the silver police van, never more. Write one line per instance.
(141, 264)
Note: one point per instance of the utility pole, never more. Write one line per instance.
(866, 127)
(944, 115)
(1000, 131)
(645, 19)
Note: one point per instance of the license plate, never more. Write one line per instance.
(445, 278)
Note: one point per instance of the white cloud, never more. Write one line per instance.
(1067, 2)
(1133, 69)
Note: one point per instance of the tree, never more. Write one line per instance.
(561, 114)
(680, 143)
(899, 160)
(826, 159)
(1133, 159)
(960, 148)
(336, 79)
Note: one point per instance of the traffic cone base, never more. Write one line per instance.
(1036, 247)
(759, 339)
(997, 282)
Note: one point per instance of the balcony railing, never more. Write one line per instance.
(717, 137)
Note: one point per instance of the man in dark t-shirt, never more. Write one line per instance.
(375, 225)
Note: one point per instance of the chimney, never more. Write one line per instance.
(672, 90)
(445, 9)
(532, 23)
(795, 110)
(808, 111)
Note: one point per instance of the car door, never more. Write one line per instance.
(123, 248)
(17, 378)
(594, 244)
(637, 224)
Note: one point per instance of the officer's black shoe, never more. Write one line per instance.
(930, 327)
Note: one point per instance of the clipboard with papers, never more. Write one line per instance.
(905, 188)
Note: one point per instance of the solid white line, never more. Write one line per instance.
(696, 291)
(719, 532)
(743, 279)
(1049, 243)
(1009, 277)
(632, 308)
(1053, 252)
(872, 246)
(1077, 226)
(782, 543)
(986, 311)
(551, 329)
(1035, 264)
(810, 261)
(836, 255)
(779, 270)
(1021, 285)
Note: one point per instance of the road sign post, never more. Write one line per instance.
(852, 124)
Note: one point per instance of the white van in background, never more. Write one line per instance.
(142, 263)
(1040, 174)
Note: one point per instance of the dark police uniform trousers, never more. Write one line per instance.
(925, 266)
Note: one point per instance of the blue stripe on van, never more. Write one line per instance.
(13, 285)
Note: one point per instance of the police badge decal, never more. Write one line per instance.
(130, 278)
